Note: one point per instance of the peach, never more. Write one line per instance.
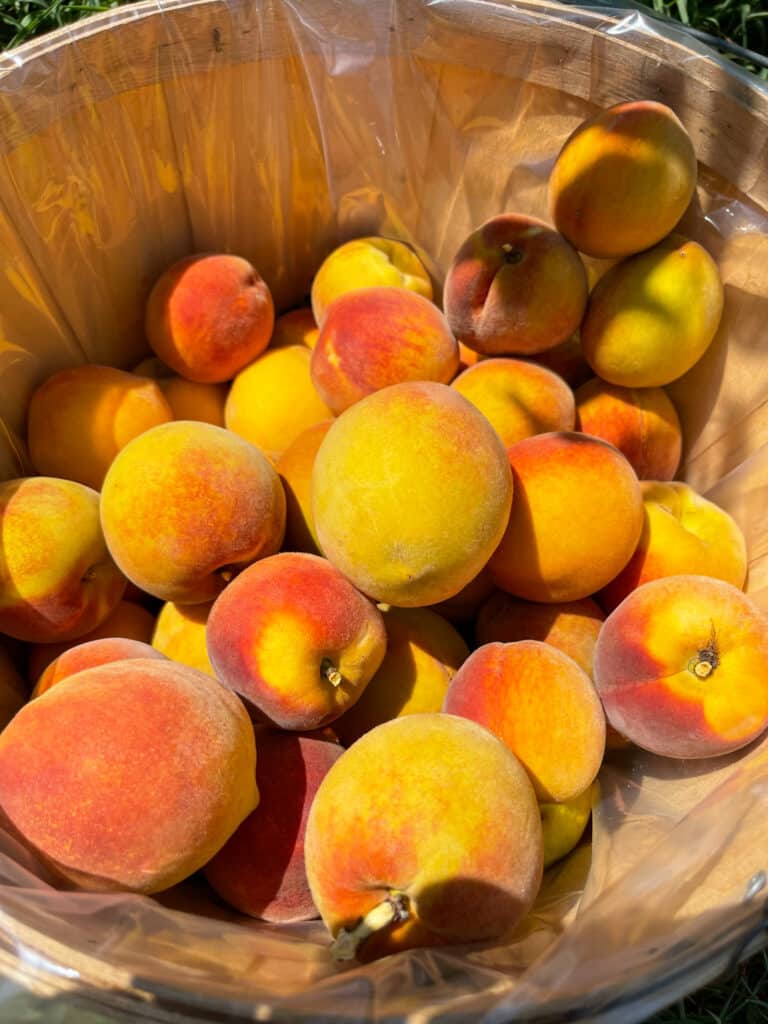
(208, 315)
(374, 337)
(260, 869)
(518, 398)
(563, 825)
(463, 607)
(411, 492)
(571, 626)
(13, 692)
(641, 422)
(127, 619)
(179, 634)
(575, 521)
(683, 534)
(273, 400)
(192, 400)
(425, 832)
(88, 655)
(294, 467)
(539, 703)
(652, 316)
(422, 656)
(186, 505)
(623, 179)
(79, 419)
(129, 775)
(294, 637)
(681, 666)
(365, 263)
(57, 578)
(515, 286)
(296, 327)
(566, 360)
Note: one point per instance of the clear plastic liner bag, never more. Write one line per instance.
(276, 130)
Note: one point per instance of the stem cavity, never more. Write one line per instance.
(329, 671)
(708, 658)
(391, 910)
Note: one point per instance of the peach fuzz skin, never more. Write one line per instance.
(623, 179)
(374, 337)
(394, 476)
(169, 774)
(79, 419)
(432, 814)
(641, 422)
(365, 263)
(518, 398)
(57, 579)
(208, 315)
(179, 634)
(293, 637)
(88, 655)
(187, 505)
(575, 520)
(539, 703)
(681, 666)
(260, 870)
(683, 533)
(294, 466)
(515, 286)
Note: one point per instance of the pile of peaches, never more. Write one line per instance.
(344, 608)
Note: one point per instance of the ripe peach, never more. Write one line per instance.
(514, 287)
(411, 491)
(296, 327)
(425, 832)
(518, 398)
(652, 316)
(294, 467)
(294, 637)
(129, 775)
(179, 634)
(57, 579)
(186, 505)
(681, 666)
(683, 533)
(88, 655)
(575, 521)
(542, 705)
(260, 869)
(422, 656)
(364, 263)
(273, 400)
(623, 179)
(79, 419)
(192, 400)
(209, 315)
(563, 825)
(641, 422)
(373, 337)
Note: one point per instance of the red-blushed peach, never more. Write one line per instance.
(129, 775)
(683, 533)
(563, 825)
(127, 619)
(57, 579)
(208, 315)
(425, 832)
(260, 869)
(641, 422)
(193, 400)
(542, 705)
(681, 666)
(653, 316)
(294, 467)
(89, 655)
(463, 607)
(575, 521)
(79, 419)
(273, 400)
(623, 179)
(423, 654)
(374, 337)
(297, 327)
(411, 491)
(518, 398)
(13, 692)
(365, 263)
(293, 636)
(179, 634)
(515, 286)
(186, 505)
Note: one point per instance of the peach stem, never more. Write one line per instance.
(329, 671)
(391, 910)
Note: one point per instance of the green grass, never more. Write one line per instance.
(741, 998)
